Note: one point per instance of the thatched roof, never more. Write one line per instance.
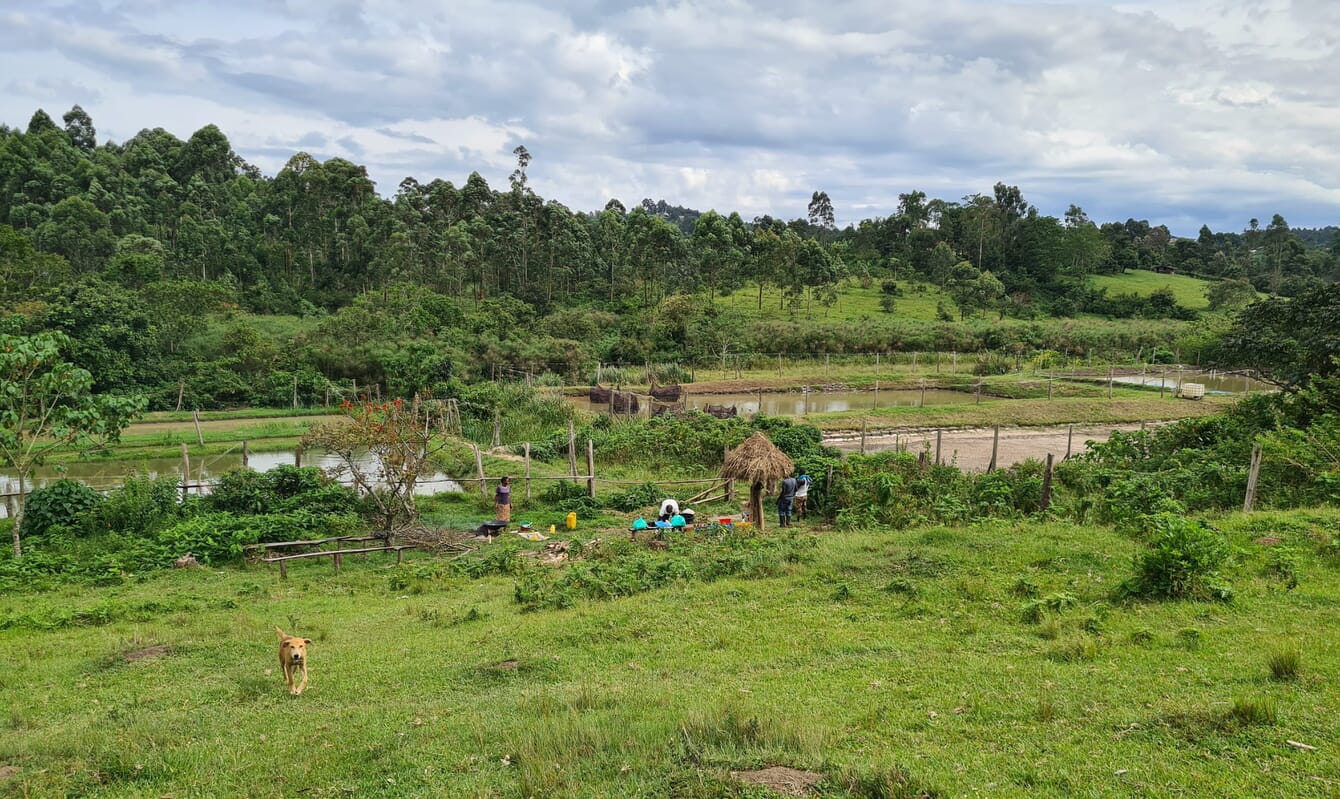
(757, 460)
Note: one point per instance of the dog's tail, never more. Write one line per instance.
(281, 632)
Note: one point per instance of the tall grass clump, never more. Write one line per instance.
(1285, 662)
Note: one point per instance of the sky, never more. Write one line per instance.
(1183, 112)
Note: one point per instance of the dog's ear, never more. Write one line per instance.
(307, 640)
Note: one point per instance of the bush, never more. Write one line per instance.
(141, 506)
(64, 503)
(1182, 562)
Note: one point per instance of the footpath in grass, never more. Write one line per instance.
(983, 660)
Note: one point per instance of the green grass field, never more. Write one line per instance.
(892, 663)
(1189, 291)
(853, 303)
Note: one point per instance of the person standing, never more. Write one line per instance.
(802, 494)
(502, 499)
(786, 497)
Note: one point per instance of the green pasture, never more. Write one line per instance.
(986, 660)
(1189, 291)
(854, 302)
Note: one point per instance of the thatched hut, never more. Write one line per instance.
(758, 462)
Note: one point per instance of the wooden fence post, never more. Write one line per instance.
(199, 436)
(297, 457)
(295, 392)
(862, 436)
(1163, 383)
(922, 402)
(528, 471)
(246, 456)
(978, 391)
(181, 392)
(1069, 437)
(590, 469)
(875, 405)
(937, 446)
(1252, 475)
(572, 446)
(479, 471)
(497, 427)
(730, 484)
(1109, 382)
(1046, 499)
(1050, 378)
(995, 447)
(185, 473)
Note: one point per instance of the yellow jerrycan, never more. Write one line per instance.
(571, 521)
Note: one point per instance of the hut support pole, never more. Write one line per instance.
(756, 505)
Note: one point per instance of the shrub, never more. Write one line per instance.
(141, 506)
(1182, 561)
(63, 503)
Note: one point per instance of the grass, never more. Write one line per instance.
(1127, 406)
(890, 681)
(1189, 291)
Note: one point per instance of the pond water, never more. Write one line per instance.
(1215, 382)
(104, 475)
(799, 403)
(970, 449)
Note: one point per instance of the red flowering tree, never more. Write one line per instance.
(385, 448)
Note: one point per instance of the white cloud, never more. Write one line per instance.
(1197, 110)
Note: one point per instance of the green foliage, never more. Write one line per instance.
(216, 538)
(281, 489)
(63, 503)
(635, 498)
(1285, 662)
(1182, 561)
(620, 568)
(140, 507)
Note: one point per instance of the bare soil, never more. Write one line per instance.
(785, 781)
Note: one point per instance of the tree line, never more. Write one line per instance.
(129, 247)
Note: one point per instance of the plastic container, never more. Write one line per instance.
(571, 521)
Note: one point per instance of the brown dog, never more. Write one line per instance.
(293, 658)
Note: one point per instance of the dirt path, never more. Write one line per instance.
(970, 449)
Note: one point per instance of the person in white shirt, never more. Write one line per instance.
(669, 509)
(802, 493)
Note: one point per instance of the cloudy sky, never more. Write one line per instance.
(1180, 111)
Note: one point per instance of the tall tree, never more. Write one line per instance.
(79, 127)
(47, 403)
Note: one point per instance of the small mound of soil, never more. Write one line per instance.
(158, 650)
(1268, 540)
(7, 772)
(783, 780)
(506, 665)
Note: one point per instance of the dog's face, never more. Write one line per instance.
(292, 649)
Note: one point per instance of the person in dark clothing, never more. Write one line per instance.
(786, 499)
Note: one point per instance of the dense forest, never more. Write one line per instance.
(161, 258)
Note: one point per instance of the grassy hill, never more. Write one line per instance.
(1189, 291)
(989, 659)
